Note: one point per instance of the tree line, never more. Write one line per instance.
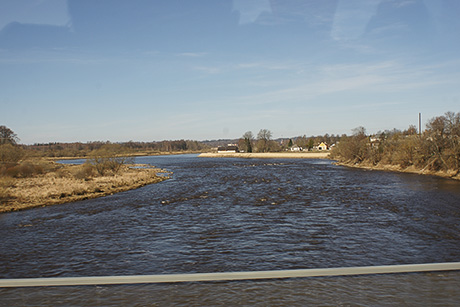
(264, 142)
(436, 149)
(103, 158)
(78, 149)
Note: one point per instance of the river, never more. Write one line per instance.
(224, 215)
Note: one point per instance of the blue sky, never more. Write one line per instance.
(145, 70)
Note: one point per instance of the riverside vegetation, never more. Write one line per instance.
(29, 179)
(435, 151)
(27, 182)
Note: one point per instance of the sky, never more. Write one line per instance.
(146, 70)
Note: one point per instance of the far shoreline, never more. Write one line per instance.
(267, 155)
(130, 155)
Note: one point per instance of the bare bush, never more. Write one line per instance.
(85, 171)
(354, 148)
(5, 183)
(10, 153)
(109, 159)
(24, 170)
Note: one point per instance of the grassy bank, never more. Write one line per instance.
(269, 155)
(398, 168)
(435, 151)
(59, 184)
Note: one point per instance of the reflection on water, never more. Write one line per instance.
(219, 215)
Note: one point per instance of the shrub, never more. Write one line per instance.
(352, 149)
(25, 170)
(86, 171)
(4, 184)
(107, 159)
(62, 173)
(10, 153)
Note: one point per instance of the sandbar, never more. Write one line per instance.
(268, 155)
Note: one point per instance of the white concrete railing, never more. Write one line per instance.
(173, 278)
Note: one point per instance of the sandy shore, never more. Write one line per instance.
(269, 155)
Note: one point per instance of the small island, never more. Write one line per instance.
(59, 183)
(28, 181)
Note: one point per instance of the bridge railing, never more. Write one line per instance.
(227, 276)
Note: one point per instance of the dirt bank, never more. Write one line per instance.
(57, 188)
(397, 168)
(271, 155)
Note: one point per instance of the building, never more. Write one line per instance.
(322, 146)
(228, 148)
(375, 141)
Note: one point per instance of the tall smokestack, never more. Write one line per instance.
(420, 124)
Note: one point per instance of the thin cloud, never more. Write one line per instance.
(208, 69)
(151, 52)
(405, 3)
(192, 54)
(267, 66)
(388, 77)
(232, 67)
(43, 12)
(351, 18)
(250, 10)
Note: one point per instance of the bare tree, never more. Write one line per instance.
(412, 130)
(353, 148)
(109, 159)
(10, 154)
(443, 134)
(7, 136)
(264, 137)
(359, 131)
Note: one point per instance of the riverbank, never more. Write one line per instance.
(397, 168)
(67, 184)
(268, 155)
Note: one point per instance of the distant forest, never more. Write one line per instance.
(78, 149)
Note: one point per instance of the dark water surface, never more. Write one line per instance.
(222, 215)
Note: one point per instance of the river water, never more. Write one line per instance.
(223, 215)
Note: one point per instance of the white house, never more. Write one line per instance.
(322, 146)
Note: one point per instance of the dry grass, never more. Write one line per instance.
(70, 183)
(396, 168)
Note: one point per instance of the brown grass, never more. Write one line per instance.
(70, 183)
(396, 168)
